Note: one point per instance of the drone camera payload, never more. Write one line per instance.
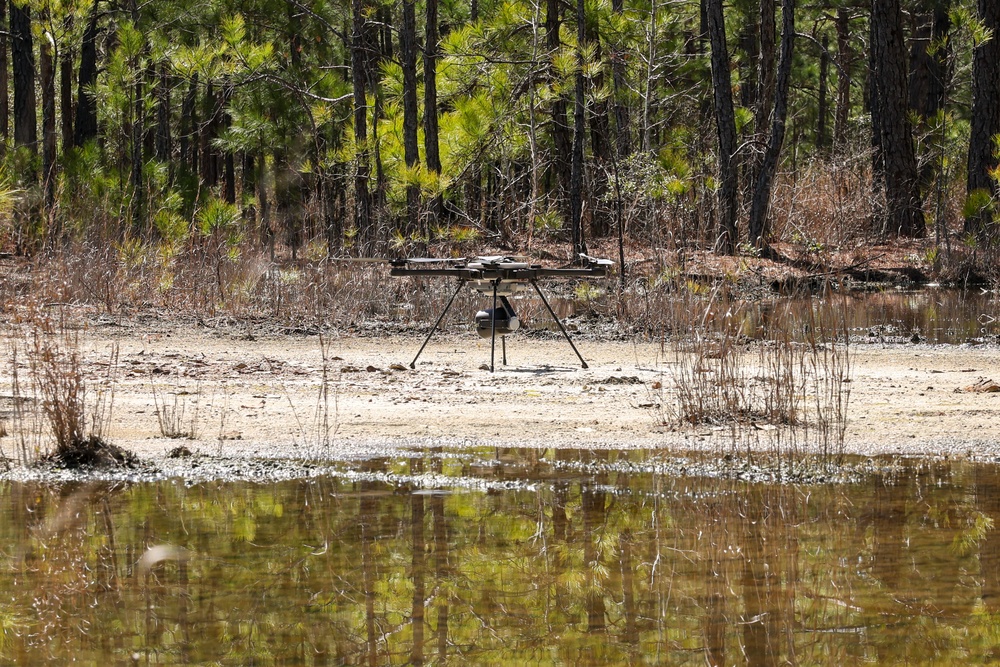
(500, 321)
(499, 276)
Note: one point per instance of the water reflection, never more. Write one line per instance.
(936, 315)
(565, 557)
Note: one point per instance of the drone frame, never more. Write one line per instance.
(495, 271)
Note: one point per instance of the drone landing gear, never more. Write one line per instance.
(508, 316)
(561, 327)
(461, 284)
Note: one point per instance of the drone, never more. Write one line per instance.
(502, 277)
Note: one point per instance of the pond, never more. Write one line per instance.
(511, 557)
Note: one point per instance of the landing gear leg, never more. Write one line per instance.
(561, 327)
(461, 284)
(493, 325)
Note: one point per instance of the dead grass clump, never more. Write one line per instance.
(74, 417)
(765, 368)
(92, 452)
(173, 417)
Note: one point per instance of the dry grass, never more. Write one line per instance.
(764, 370)
(72, 412)
(176, 416)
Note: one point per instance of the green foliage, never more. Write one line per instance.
(271, 91)
(977, 203)
(218, 217)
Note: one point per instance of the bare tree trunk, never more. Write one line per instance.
(763, 103)
(903, 215)
(189, 127)
(210, 128)
(228, 159)
(759, 209)
(163, 143)
(929, 61)
(66, 89)
(48, 87)
(137, 179)
(85, 124)
(432, 150)
(561, 144)
(600, 145)
(579, 122)
(725, 119)
(362, 194)
(25, 123)
(623, 139)
(411, 150)
(822, 105)
(4, 81)
(845, 58)
(985, 119)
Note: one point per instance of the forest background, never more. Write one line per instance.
(162, 149)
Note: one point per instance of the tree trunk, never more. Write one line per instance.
(25, 123)
(725, 119)
(210, 128)
(600, 146)
(163, 143)
(228, 159)
(432, 151)
(137, 158)
(759, 209)
(66, 89)
(765, 98)
(359, 59)
(47, 74)
(248, 186)
(623, 139)
(579, 122)
(411, 150)
(878, 159)
(929, 61)
(822, 104)
(985, 119)
(85, 124)
(903, 214)
(561, 144)
(189, 127)
(4, 80)
(845, 57)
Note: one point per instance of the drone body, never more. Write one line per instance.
(502, 277)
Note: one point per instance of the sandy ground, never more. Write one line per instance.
(242, 395)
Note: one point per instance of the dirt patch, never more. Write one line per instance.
(276, 396)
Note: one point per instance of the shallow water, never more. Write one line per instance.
(510, 557)
(935, 314)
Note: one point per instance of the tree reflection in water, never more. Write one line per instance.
(560, 557)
